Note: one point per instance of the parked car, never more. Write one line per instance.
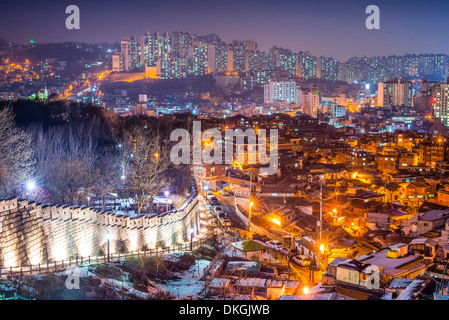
(224, 193)
(213, 222)
(259, 237)
(209, 195)
(302, 261)
(218, 210)
(284, 251)
(213, 201)
(274, 244)
(205, 215)
(268, 272)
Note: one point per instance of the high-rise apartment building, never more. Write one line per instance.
(394, 92)
(117, 62)
(310, 101)
(440, 102)
(306, 65)
(130, 53)
(327, 68)
(281, 91)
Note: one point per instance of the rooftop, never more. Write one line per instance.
(380, 259)
(432, 215)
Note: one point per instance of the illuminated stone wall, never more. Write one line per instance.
(33, 233)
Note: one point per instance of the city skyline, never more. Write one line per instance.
(323, 28)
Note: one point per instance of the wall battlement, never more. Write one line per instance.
(33, 233)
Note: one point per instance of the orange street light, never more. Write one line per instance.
(276, 221)
(322, 248)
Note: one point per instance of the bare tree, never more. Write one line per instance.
(147, 163)
(16, 154)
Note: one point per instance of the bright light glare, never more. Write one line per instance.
(30, 185)
(322, 248)
(276, 221)
(305, 290)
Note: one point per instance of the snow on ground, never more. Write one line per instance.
(189, 284)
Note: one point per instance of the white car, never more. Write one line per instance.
(206, 215)
(301, 260)
(284, 251)
(218, 210)
(274, 244)
(213, 222)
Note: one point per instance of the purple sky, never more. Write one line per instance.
(329, 28)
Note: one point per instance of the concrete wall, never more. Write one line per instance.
(32, 233)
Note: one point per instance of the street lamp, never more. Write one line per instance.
(108, 237)
(191, 238)
(166, 193)
(88, 199)
(30, 186)
(249, 216)
(305, 290)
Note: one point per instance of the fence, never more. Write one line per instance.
(15, 297)
(113, 257)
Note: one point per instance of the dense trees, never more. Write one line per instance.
(73, 152)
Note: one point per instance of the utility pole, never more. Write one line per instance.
(321, 211)
(201, 175)
(249, 201)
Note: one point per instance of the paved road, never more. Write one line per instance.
(227, 202)
(363, 246)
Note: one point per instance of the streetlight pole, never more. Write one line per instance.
(108, 236)
(321, 223)
(166, 193)
(249, 217)
(191, 238)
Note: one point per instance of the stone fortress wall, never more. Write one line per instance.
(32, 233)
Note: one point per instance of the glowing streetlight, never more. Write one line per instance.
(166, 193)
(276, 221)
(30, 185)
(322, 248)
(354, 175)
(305, 290)
(249, 216)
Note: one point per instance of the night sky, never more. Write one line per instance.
(331, 28)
